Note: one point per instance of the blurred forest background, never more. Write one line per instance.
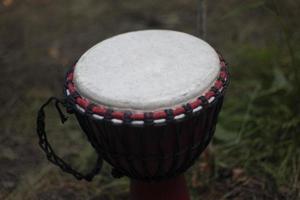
(256, 148)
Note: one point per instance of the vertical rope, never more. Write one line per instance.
(201, 19)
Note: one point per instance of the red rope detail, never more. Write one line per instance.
(179, 110)
(159, 114)
(70, 76)
(138, 116)
(223, 64)
(99, 110)
(223, 74)
(218, 84)
(195, 103)
(209, 94)
(118, 115)
(71, 88)
(82, 102)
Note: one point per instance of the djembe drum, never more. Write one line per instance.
(148, 102)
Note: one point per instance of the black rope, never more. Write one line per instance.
(170, 115)
(46, 147)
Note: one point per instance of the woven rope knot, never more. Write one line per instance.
(46, 147)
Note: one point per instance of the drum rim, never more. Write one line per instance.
(159, 117)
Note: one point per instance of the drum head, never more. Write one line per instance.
(146, 70)
(148, 100)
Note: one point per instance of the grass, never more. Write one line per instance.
(263, 135)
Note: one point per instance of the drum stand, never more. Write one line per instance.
(170, 189)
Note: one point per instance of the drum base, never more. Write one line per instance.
(171, 189)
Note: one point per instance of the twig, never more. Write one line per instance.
(201, 22)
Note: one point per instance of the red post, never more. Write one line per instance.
(170, 189)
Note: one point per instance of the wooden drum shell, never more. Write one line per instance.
(152, 152)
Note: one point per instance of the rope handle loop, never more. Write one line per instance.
(46, 147)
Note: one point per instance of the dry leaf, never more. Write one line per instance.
(53, 52)
(7, 3)
(237, 173)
